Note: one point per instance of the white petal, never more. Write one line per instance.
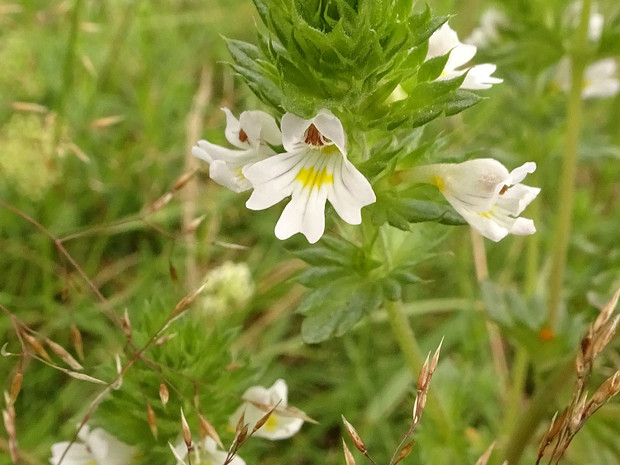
(486, 226)
(233, 128)
(273, 179)
(460, 55)
(518, 174)
(221, 174)
(279, 392)
(601, 69)
(331, 127)
(479, 77)
(305, 213)
(523, 227)
(77, 454)
(293, 131)
(605, 88)
(202, 154)
(260, 127)
(216, 152)
(515, 199)
(108, 450)
(595, 27)
(351, 191)
(442, 41)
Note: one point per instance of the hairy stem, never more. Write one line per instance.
(566, 193)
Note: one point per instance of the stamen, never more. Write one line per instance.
(243, 137)
(503, 190)
(314, 137)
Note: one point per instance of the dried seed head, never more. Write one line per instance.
(126, 325)
(405, 451)
(183, 180)
(191, 227)
(76, 340)
(64, 355)
(16, 386)
(606, 312)
(259, 424)
(36, 346)
(435, 359)
(164, 395)
(160, 202)
(151, 418)
(608, 389)
(241, 436)
(604, 336)
(484, 458)
(423, 376)
(240, 423)
(187, 433)
(207, 429)
(357, 440)
(348, 456)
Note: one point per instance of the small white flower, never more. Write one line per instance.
(258, 401)
(485, 194)
(445, 40)
(97, 447)
(250, 134)
(595, 23)
(205, 453)
(487, 33)
(313, 169)
(599, 79)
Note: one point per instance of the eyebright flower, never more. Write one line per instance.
(487, 33)
(485, 194)
(96, 448)
(283, 423)
(599, 79)
(250, 134)
(313, 169)
(206, 453)
(445, 40)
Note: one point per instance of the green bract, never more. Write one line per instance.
(348, 56)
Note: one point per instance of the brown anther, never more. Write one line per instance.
(243, 137)
(313, 136)
(503, 190)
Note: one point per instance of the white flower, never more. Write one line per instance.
(205, 453)
(96, 448)
(595, 23)
(485, 194)
(487, 33)
(282, 424)
(445, 40)
(313, 169)
(250, 134)
(599, 79)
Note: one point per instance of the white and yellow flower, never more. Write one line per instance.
(483, 191)
(313, 169)
(445, 40)
(251, 134)
(599, 79)
(97, 447)
(257, 401)
(204, 453)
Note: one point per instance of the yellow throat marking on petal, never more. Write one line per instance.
(311, 179)
(486, 215)
(206, 463)
(272, 423)
(439, 182)
(92, 463)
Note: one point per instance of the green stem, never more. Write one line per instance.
(513, 400)
(535, 413)
(566, 193)
(411, 350)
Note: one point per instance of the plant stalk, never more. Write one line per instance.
(566, 193)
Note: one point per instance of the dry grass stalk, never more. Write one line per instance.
(562, 431)
(151, 418)
(164, 395)
(404, 448)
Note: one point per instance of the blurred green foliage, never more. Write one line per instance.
(115, 85)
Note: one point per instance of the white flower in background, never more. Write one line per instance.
(227, 287)
(205, 453)
(313, 169)
(445, 40)
(599, 79)
(485, 194)
(487, 33)
(282, 424)
(97, 447)
(595, 23)
(250, 134)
